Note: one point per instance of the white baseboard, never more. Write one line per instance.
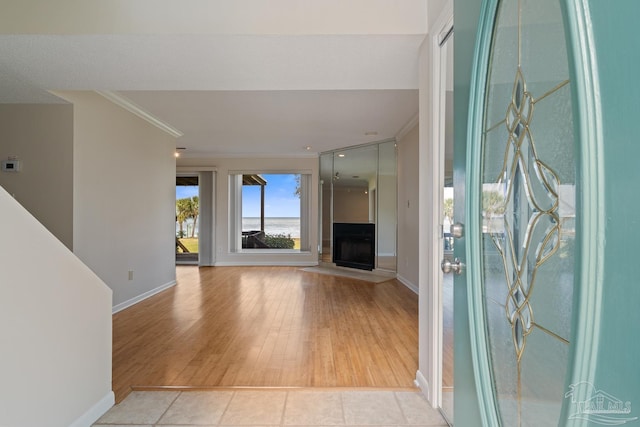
(408, 284)
(423, 385)
(266, 264)
(141, 297)
(95, 412)
(387, 254)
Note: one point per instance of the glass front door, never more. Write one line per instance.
(523, 231)
(187, 219)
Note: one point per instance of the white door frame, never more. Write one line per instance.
(206, 183)
(433, 76)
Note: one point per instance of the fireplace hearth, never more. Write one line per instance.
(354, 245)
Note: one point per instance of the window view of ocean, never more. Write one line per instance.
(286, 226)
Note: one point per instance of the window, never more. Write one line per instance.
(269, 211)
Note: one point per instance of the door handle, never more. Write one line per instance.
(449, 266)
(457, 230)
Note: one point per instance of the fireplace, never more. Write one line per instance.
(354, 245)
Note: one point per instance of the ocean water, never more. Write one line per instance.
(286, 226)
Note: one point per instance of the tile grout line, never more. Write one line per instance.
(224, 411)
(405, 422)
(167, 410)
(344, 418)
(404, 416)
(284, 408)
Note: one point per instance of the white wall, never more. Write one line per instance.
(434, 9)
(216, 17)
(408, 259)
(124, 198)
(265, 165)
(41, 137)
(55, 324)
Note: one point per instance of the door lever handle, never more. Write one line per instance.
(449, 266)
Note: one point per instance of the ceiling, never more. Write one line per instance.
(234, 77)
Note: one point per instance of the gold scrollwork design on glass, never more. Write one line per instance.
(528, 184)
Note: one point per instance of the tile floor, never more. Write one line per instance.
(272, 408)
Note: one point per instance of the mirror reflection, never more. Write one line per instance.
(359, 186)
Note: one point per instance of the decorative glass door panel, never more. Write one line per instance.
(527, 187)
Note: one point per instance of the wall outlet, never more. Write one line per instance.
(130, 274)
(11, 165)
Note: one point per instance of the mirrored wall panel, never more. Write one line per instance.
(359, 186)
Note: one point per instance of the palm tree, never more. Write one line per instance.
(493, 204)
(448, 209)
(182, 213)
(194, 210)
(298, 190)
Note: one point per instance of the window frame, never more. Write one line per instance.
(235, 211)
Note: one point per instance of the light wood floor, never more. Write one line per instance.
(267, 326)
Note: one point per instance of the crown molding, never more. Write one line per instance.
(407, 127)
(130, 106)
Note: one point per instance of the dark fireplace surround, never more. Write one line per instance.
(354, 245)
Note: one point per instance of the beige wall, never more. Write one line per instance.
(124, 192)
(350, 204)
(408, 260)
(41, 137)
(225, 166)
(55, 324)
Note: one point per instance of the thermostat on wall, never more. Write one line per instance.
(11, 165)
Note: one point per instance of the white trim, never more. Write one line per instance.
(195, 169)
(413, 121)
(438, 85)
(234, 219)
(207, 228)
(444, 23)
(95, 412)
(270, 171)
(387, 254)
(423, 385)
(408, 284)
(293, 155)
(131, 107)
(235, 211)
(305, 212)
(266, 263)
(432, 97)
(141, 297)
